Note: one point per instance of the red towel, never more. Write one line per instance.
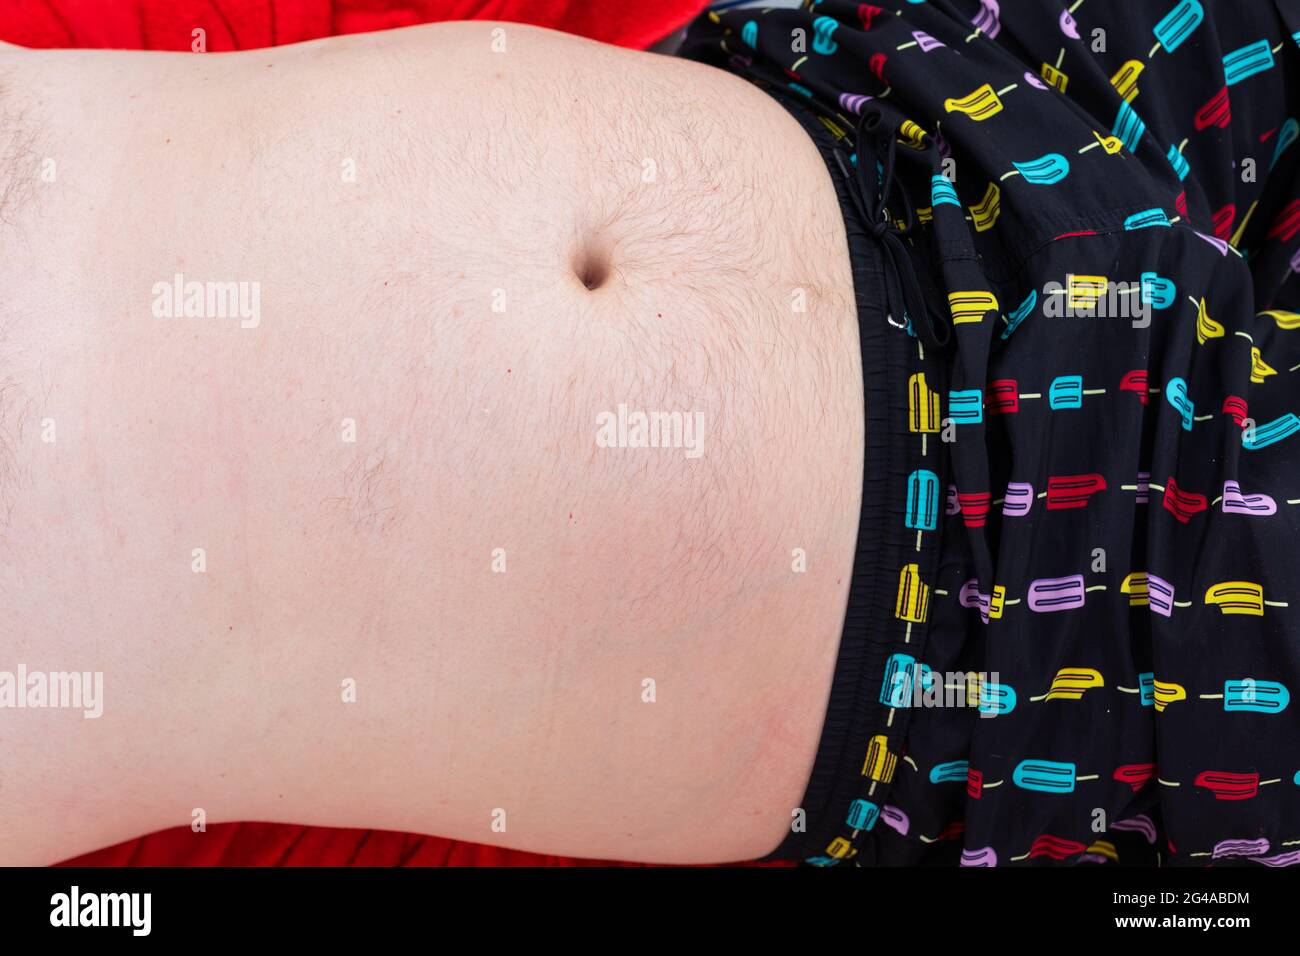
(244, 24)
(276, 844)
(272, 844)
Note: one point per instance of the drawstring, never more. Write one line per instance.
(902, 290)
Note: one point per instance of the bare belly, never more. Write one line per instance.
(321, 371)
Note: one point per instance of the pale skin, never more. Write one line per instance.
(614, 646)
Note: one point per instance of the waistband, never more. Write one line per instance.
(897, 547)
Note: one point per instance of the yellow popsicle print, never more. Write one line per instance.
(1111, 144)
(1259, 369)
(1071, 682)
(971, 306)
(840, 849)
(913, 595)
(1055, 77)
(1105, 848)
(986, 213)
(1206, 327)
(1084, 291)
(923, 405)
(912, 134)
(997, 601)
(1285, 320)
(1126, 78)
(880, 763)
(1167, 693)
(978, 105)
(1237, 597)
(1136, 586)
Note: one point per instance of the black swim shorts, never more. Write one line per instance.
(1074, 623)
